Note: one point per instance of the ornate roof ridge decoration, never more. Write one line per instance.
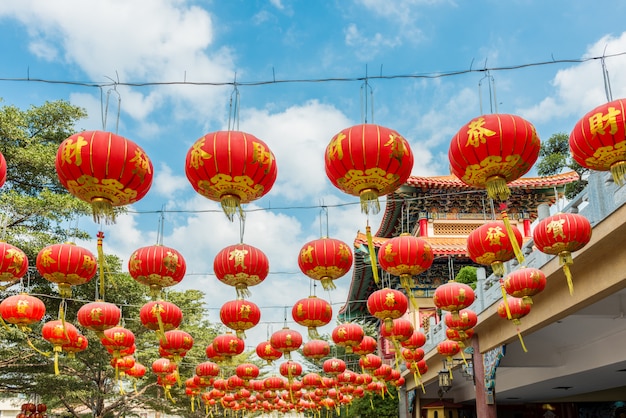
(441, 245)
(452, 181)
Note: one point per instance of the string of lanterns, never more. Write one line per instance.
(235, 168)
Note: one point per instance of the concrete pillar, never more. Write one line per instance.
(483, 408)
(403, 406)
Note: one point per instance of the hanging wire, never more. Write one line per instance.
(242, 227)
(233, 111)
(323, 214)
(365, 90)
(491, 85)
(161, 226)
(605, 75)
(105, 111)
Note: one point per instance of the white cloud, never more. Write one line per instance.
(580, 88)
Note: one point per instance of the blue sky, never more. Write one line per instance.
(218, 42)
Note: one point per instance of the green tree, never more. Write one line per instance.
(467, 275)
(555, 156)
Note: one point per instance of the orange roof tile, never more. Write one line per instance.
(451, 181)
(440, 245)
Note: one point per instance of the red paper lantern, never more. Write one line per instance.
(312, 312)
(412, 355)
(334, 366)
(348, 335)
(117, 339)
(286, 340)
(66, 265)
(368, 161)
(228, 345)
(311, 381)
(518, 308)
(163, 367)
(58, 333)
(157, 266)
(241, 266)
(561, 235)
(13, 263)
(240, 315)
(231, 167)
(325, 259)
(459, 336)
(598, 140)
(22, 310)
(160, 315)
(3, 170)
(401, 330)
(387, 304)
(98, 316)
(448, 348)
(212, 354)
(453, 297)
(316, 349)
(490, 245)
(524, 283)
(80, 343)
(465, 319)
(137, 371)
(370, 362)
(177, 343)
(206, 371)
(367, 346)
(493, 150)
(123, 364)
(416, 340)
(290, 369)
(105, 170)
(247, 371)
(268, 353)
(405, 256)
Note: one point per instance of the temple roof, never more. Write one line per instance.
(451, 181)
(441, 246)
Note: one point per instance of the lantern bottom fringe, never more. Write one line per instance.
(313, 334)
(527, 300)
(497, 188)
(618, 171)
(242, 291)
(372, 253)
(65, 290)
(231, 205)
(155, 292)
(369, 201)
(407, 283)
(328, 284)
(565, 259)
(241, 334)
(102, 210)
(498, 268)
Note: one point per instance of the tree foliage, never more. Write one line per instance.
(467, 275)
(555, 156)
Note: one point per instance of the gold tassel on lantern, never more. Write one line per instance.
(231, 204)
(102, 210)
(618, 171)
(506, 304)
(565, 260)
(497, 188)
(372, 251)
(509, 231)
(369, 201)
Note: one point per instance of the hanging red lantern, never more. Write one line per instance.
(598, 139)
(401, 330)
(406, 256)
(228, 345)
(490, 245)
(98, 316)
(163, 367)
(412, 355)
(311, 381)
(316, 349)
(247, 371)
(387, 304)
(348, 335)
(157, 266)
(207, 371)
(367, 346)
(268, 353)
(240, 315)
(312, 312)
(117, 339)
(77, 345)
(449, 349)
(3, 170)
(416, 340)
(212, 354)
(177, 343)
(493, 150)
(290, 369)
(22, 310)
(66, 265)
(459, 336)
(465, 319)
(453, 297)
(160, 315)
(58, 333)
(370, 362)
(334, 366)
(368, 161)
(518, 308)
(325, 259)
(105, 170)
(231, 167)
(286, 340)
(122, 365)
(13, 263)
(525, 283)
(561, 235)
(241, 266)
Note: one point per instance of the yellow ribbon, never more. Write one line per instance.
(370, 248)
